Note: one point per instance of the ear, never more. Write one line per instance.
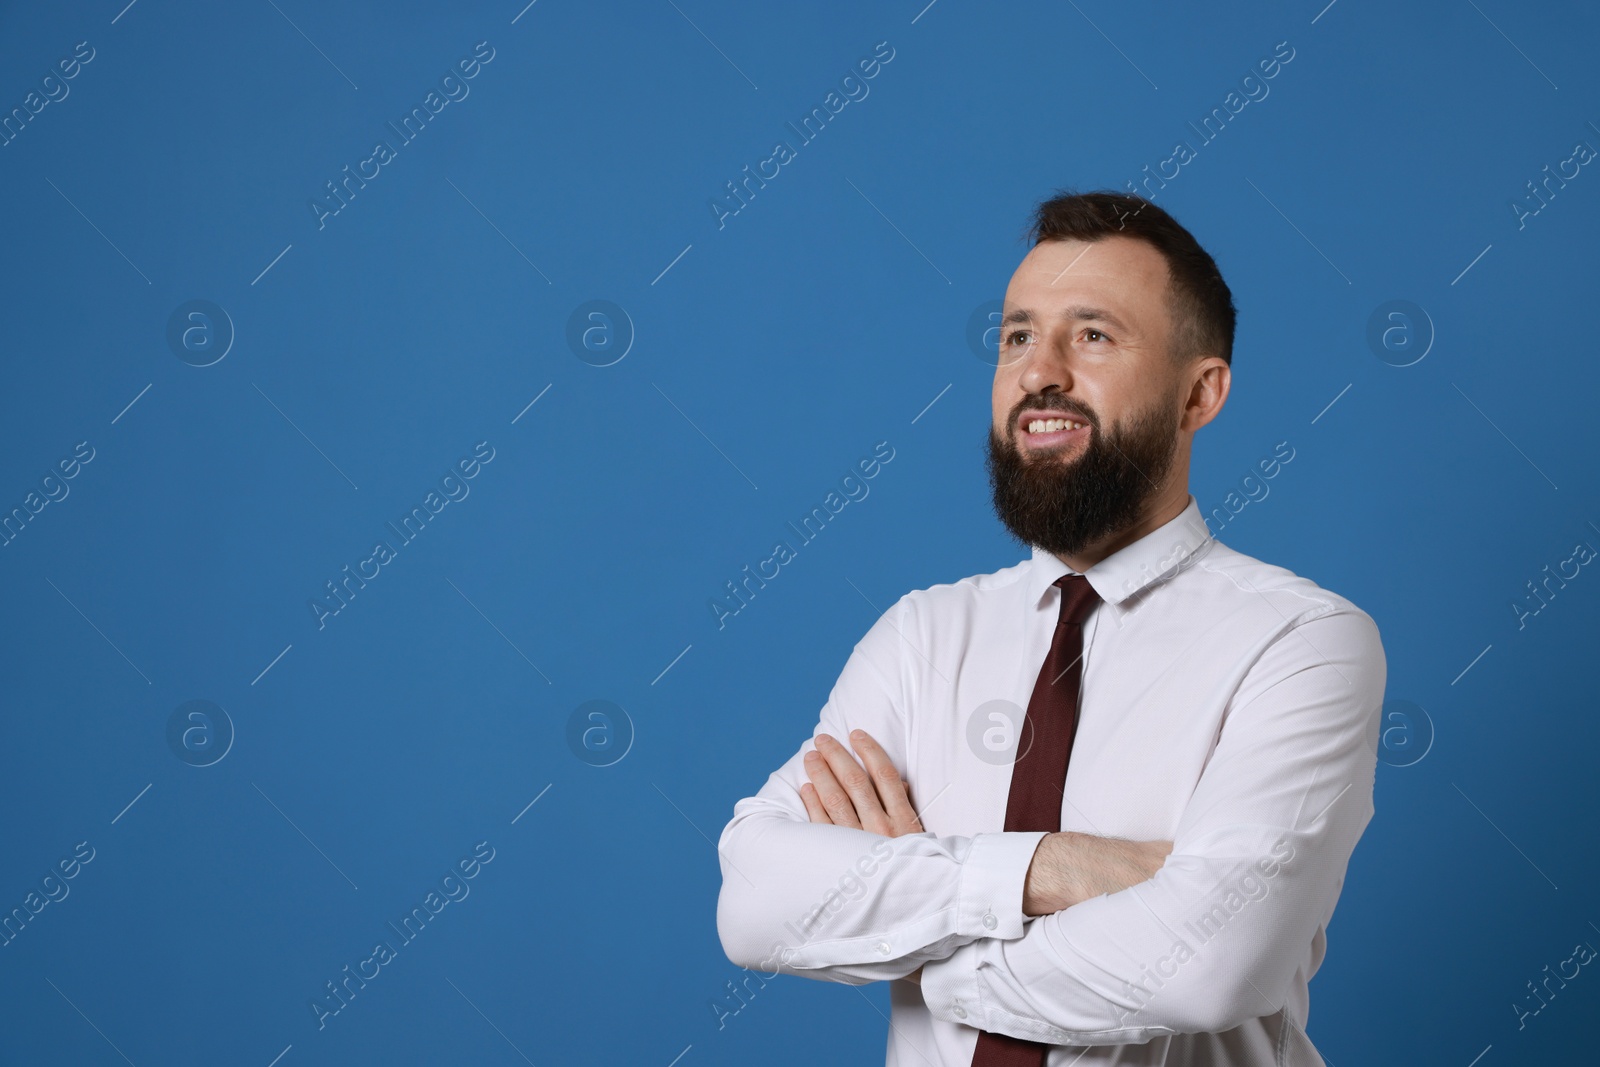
(1209, 380)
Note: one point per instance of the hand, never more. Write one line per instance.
(1069, 868)
(841, 792)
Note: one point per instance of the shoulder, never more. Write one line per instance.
(942, 617)
(953, 600)
(1274, 603)
(1237, 579)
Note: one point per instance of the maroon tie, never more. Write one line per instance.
(1039, 774)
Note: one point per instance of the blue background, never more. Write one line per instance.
(765, 357)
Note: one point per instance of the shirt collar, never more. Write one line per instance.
(1155, 557)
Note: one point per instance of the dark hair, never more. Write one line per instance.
(1201, 304)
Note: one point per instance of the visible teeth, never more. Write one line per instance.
(1052, 425)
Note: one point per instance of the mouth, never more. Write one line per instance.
(1050, 429)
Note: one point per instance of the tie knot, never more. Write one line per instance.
(1078, 598)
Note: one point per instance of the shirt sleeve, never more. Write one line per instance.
(1216, 937)
(840, 904)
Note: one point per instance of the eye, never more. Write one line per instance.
(1011, 338)
(1097, 335)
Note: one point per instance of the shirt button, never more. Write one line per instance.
(883, 948)
(989, 921)
(959, 1012)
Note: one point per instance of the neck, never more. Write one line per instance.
(1160, 510)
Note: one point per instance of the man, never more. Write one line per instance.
(1096, 807)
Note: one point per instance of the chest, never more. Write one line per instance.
(1151, 706)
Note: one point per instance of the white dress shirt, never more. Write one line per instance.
(1227, 705)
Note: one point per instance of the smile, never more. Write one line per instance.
(1046, 430)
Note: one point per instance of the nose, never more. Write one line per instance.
(1043, 365)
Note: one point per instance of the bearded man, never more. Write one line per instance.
(1096, 807)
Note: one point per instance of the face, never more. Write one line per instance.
(1087, 409)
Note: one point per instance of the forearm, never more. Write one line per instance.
(1210, 942)
(1069, 868)
(844, 904)
(1223, 931)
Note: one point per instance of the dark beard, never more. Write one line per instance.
(1066, 508)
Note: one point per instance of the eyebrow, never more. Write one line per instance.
(1080, 312)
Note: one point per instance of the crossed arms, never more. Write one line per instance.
(1068, 939)
(1066, 869)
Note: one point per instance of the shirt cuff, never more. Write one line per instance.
(989, 898)
(950, 986)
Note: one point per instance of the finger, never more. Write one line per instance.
(857, 783)
(814, 808)
(841, 812)
(891, 788)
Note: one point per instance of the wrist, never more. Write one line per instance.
(1046, 888)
